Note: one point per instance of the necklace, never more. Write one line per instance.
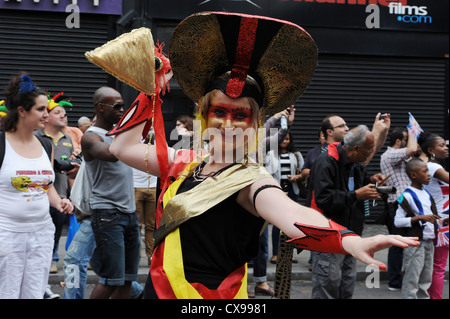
(199, 176)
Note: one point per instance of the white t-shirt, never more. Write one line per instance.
(24, 183)
(402, 221)
(140, 179)
(438, 189)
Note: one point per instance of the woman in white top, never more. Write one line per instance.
(283, 168)
(435, 148)
(26, 193)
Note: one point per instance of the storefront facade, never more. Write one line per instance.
(48, 39)
(374, 55)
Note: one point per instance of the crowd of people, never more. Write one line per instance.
(204, 218)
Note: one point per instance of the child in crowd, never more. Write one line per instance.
(416, 216)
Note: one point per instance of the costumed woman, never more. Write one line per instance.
(212, 209)
(26, 193)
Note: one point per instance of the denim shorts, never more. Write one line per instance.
(118, 246)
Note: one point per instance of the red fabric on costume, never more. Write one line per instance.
(244, 50)
(160, 283)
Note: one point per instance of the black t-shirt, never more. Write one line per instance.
(219, 241)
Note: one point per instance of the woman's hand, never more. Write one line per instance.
(364, 249)
(65, 206)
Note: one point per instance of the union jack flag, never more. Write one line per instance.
(442, 235)
(444, 189)
(413, 127)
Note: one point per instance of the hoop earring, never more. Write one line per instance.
(433, 156)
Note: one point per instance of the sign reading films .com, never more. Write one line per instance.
(415, 15)
(399, 15)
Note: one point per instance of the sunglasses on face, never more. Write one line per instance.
(116, 106)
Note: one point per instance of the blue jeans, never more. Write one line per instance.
(118, 246)
(76, 261)
(260, 262)
(395, 254)
(58, 219)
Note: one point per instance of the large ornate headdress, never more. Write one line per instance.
(279, 55)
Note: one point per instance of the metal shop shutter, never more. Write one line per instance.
(41, 44)
(358, 87)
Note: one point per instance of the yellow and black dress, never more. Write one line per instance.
(205, 238)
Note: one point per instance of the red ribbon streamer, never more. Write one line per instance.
(160, 140)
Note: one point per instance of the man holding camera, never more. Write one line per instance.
(339, 187)
(62, 151)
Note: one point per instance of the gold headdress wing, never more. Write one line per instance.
(279, 55)
(130, 58)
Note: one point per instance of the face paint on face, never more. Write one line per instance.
(229, 126)
(227, 115)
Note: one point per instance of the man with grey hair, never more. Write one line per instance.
(84, 123)
(339, 188)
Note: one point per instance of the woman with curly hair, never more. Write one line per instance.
(26, 194)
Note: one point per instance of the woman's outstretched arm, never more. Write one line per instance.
(278, 209)
(128, 148)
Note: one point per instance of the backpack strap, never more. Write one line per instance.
(46, 144)
(2, 146)
(416, 200)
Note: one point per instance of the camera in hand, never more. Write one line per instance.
(386, 189)
(64, 164)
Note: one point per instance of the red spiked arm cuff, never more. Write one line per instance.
(321, 239)
(140, 111)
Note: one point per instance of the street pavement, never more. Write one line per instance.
(371, 283)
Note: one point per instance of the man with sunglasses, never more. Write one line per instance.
(114, 220)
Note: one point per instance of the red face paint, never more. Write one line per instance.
(228, 124)
(230, 115)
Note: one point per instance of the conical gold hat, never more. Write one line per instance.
(130, 58)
